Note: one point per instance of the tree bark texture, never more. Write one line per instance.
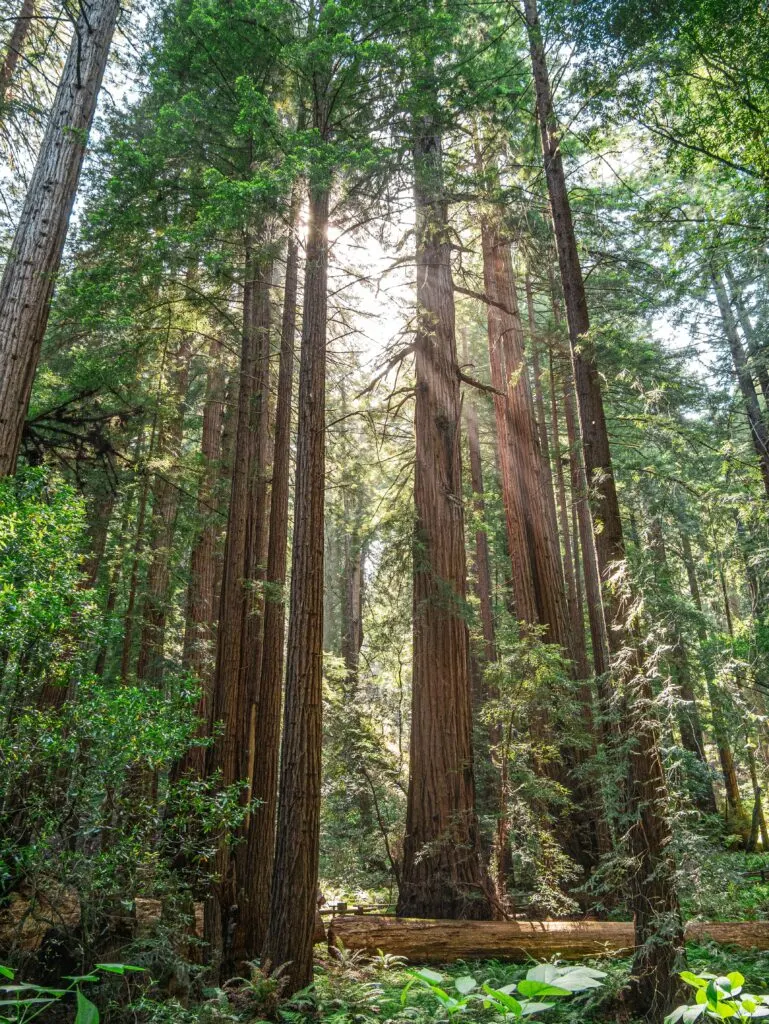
(521, 941)
(294, 885)
(200, 624)
(21, 27)
(441, 874)
(30, 273)
(261, 828)
(229, 706)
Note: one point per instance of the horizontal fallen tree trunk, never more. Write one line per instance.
(443, 941)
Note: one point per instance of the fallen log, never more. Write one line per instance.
(422, 941)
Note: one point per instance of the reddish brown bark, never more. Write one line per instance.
(441, 874)
(570, 575)
(229, 705)
(30, 271)
(261, 830)
(481, 561)
(197, 653)
(658, 926)
(21, 27)
(290, 930)
(540, 596)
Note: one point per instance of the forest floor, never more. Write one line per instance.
(351, 990)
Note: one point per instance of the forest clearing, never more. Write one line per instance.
(384, 493)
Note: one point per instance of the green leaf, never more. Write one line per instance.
(736, 980)
(578, 980)
(427, 975)
(502, 999)
(6, 972)
(542, 972)
(528, 988)
(465, 984)
(691, 1013)
(118, 968)
(528, 1007)
(87, 1013)
(693, 979)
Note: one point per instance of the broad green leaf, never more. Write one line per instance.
(504, 1000)
(427, 975)
(465, 984)
(87, 1013)
(528, 1007)
(529, 988)
(693, 979)
(725, 1009)
(77, 978)
(6, 972)
(543, 972)
(736, 980)
(577, 981)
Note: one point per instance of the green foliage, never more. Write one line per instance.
(23, 1002)
(80, 819)
(719, 997)
(544, 981)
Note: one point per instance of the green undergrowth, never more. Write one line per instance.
(351, 989)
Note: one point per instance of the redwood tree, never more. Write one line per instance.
(658, 925)
(441, 874)
(30, 273)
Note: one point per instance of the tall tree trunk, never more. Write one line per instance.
(261, 828)
(529, 501)
(734, 808)
(441, 875)
(658, 925)
(580, 496)
(491, 788)
(197, 653)
(757, 355)
(21, 28)
(569, 560)
(481, 553)
(536, 375)
(229, 753)
(295, 876)
(30, 272)
(165, 505)
(527, 488)
(759, 433)
(689, 723)
(133, 579)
